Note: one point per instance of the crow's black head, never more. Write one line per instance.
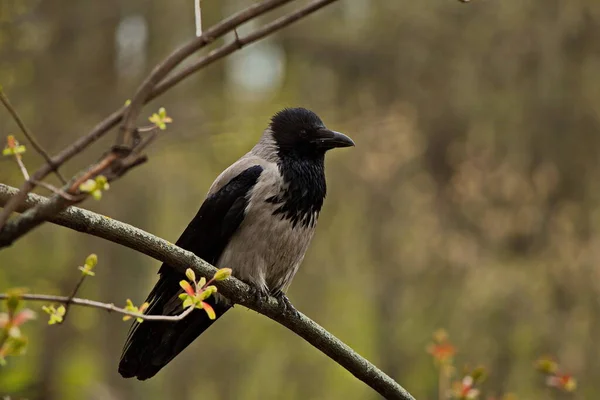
(300, 132)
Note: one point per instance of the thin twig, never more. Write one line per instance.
(146, 129)
(238, 292)
(97, 304)
(112, 120)
(22, 167)
(48, 186)
(38, 147)
(73, 294)
(57, 191)
(198, 13)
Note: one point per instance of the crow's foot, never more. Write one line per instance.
(257, 293)
(288, 307)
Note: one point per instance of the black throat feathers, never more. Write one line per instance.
(302, 199)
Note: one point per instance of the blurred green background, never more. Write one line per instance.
(471, 201)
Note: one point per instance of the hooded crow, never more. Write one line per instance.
(258, 219)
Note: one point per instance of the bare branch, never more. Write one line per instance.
(70, 299)
(22, 167)
(112, 120)
(118, 232)
(53, 189)
(38, 147)
(237, 44)
(97, 304)
(57, 191)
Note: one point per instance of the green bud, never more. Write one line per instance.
(222, 274)
(190, 275)
(91, 260)
(207, 292)
(201, 283)
(88, 186)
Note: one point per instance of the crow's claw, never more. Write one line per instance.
(259, 294)
(288, 308)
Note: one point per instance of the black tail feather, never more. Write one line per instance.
(153, 344)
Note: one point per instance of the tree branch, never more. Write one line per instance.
(19, 227)
(25, 173)
(97, 304)
(237, 44)
(118, 232)
(38, 147)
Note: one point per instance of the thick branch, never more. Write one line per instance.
(237, 291)
(97, 304)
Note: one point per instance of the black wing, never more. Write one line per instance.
(152, 344)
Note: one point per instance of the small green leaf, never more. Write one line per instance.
(95, 186)
(88, 186)
(56, 314)
(222, 274)
(13, 148)
(91, 260)
(102, 182)
(190, 274)
(201, 282)
(160, 119)
(206, 293)
(188, 302)
(132, 308)
(90, 263)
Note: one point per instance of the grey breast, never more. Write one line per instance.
(266, 250)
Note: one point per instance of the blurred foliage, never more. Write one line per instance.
(471, 200)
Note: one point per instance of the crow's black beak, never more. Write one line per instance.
(331, 139)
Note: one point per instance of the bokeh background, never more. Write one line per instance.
(471, 201)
